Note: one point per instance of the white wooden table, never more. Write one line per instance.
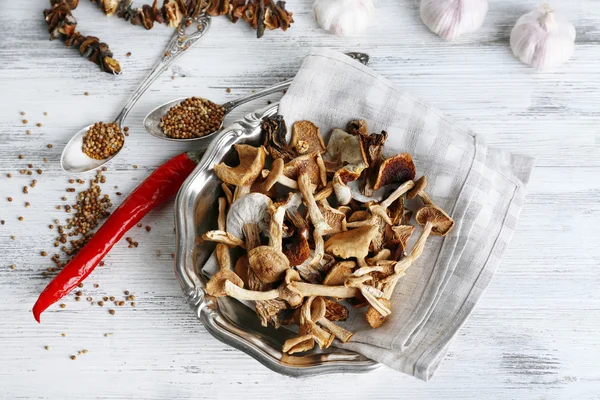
(536, 332)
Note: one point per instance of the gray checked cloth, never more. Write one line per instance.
(481, 187)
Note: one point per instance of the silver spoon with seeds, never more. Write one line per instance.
(99, 151)
(175, 112)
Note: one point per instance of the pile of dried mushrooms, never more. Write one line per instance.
(315, 229)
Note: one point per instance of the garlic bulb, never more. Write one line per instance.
(344, 17)
(451, 18)
(542, 40)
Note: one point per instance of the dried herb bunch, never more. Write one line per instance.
(62, 25)
(260, 14)
(305, 236)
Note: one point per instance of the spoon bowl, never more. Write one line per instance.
(74, 160)
(152, 122)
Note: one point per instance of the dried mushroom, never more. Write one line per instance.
(307, 136)
(321, 250)
(252, 161)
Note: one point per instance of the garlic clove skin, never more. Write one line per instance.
(542, 39)
(344, 17)
(451, 18)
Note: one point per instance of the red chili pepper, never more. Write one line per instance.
(163, 183)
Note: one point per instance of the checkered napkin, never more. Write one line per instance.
(481, 187)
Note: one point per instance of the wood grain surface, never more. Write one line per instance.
(536, 332)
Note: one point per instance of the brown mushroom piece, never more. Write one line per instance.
(402, 234)
(334, 218)
(352, 243)
(335, 311)
(372, 148)
(318, 315)
(309, 332)
(252, 161)
(275, 132)
(307, 136)
(278, 211)
(325, 192)
(316, 217)
(296, 248)
(311, 164)
(397, 169)
(338, 274)
(344, 157)
(370, 293)
(275, 175)
(434, 220)
(268, 263)
(224, 238)
(216, 285)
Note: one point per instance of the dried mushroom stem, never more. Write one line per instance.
(222, 250)
(281, 179)
(324, 193)
(322, 337)
(313, 210)
(228, 193)
(223, 237)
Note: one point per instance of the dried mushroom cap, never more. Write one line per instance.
(358, 127)
(343, 151)
(252, 161)
(372, 148)
(272, 312)
(334, 218)
(420, 185)
(442, 222)
(343, 193)
(216, 284)
(360, 215)
(299, 344)
(339, 273)
(310, 134)
(352, 243)
(308, 163)
(397, 169)
(374, 318)
(318, 314)
(296, 248)
(268, 263)
(402, 234)
(252, 208)
(275, 133)
(335, 311)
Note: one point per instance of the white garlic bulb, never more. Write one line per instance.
(542, 40)
(451, 18)
(344, 17)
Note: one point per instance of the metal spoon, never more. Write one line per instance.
(73, 159)
(152, 120)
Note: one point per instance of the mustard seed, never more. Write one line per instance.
(89, 299)
(27, 204)
(44, 254)
(9, 199)
(112, 298)
(112, 312)
(132, 304)
(21, 218)
(78, 293)
(25, 121)
(86, 93)
(13, 266)
(9, 175)
(77, 298)
(101, 303)
(49, 146)
(63, 305)
(47, 347)
(63, 334)
(126, 293)
(73, 357)
(80, 285)
(22, 112)
(21, 156)
(96, 285)
(39, 124)
(28, 132)
(45, 112)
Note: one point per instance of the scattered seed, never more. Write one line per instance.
(86, 93)
(89, 299)
(25, 189)
(134, 166)
(22, 112)
(148, 228)
(63, 305)
(101, 263)
(96, 285)
(2, 222)
(45, 159)
(44, 254)
(27, 204)
(101, 303)
(112, 298)
(9, 199)
(25, 121)
(28, 132)
(126, 293)
(45, 112)
(21, 156)
(9, 175)
(84, 351)
(49, 146)
(39, 124)
(13, 266)
(63, 334)
(47, 347)
(39, 171)
(73, 357)
(77, 298)
(80, 285)
(78, 293)
(132, 304)
(228, 90)
(111, 311)
(128, 54)
(20, 218)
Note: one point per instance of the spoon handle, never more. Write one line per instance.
(178, 44)
(360, 57)
(230, 105)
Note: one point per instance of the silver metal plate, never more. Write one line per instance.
(226, 319)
